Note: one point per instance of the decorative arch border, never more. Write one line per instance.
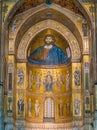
(55, 8)
(20, 2)
(37, 28)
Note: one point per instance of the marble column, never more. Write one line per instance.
(95, 74)
(95, 113)
(95, 44)
(1, 65)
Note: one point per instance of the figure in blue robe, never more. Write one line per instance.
(48, 82)
(49, 54)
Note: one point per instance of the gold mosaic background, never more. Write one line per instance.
(39, 40)
(43, 72)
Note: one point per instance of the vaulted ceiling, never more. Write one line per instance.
(28, 4)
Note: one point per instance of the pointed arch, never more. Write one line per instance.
(37, 28)
(17, 5)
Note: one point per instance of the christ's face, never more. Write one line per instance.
(48, 40)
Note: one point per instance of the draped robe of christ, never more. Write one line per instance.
(48, 55)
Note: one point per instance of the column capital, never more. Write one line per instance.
(1, 83)
(95, 83)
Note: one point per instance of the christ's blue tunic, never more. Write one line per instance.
(55, 56)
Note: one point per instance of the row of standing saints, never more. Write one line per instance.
(49, 81)
(37, 106)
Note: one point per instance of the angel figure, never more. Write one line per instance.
(59, 80)
(67, 81)
(38, 80)
(30, 80)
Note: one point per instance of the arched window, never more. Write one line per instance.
(49, 110)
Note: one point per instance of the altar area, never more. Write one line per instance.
(47, 75)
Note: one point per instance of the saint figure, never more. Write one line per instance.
(59, 80)
(67, 81)
(37, 108)
(77, 106)
(38, 81)
(61, 108)
(30, 107)
(85, 29)
(77, 77)
(30, 80)
(48, 54)
(67, 108)
(14, 26)
(20, 77)
(20, 106)
(48, 82)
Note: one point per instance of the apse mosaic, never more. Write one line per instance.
(44, 82)
(50, 80)
(49, 53)
(48, 108)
